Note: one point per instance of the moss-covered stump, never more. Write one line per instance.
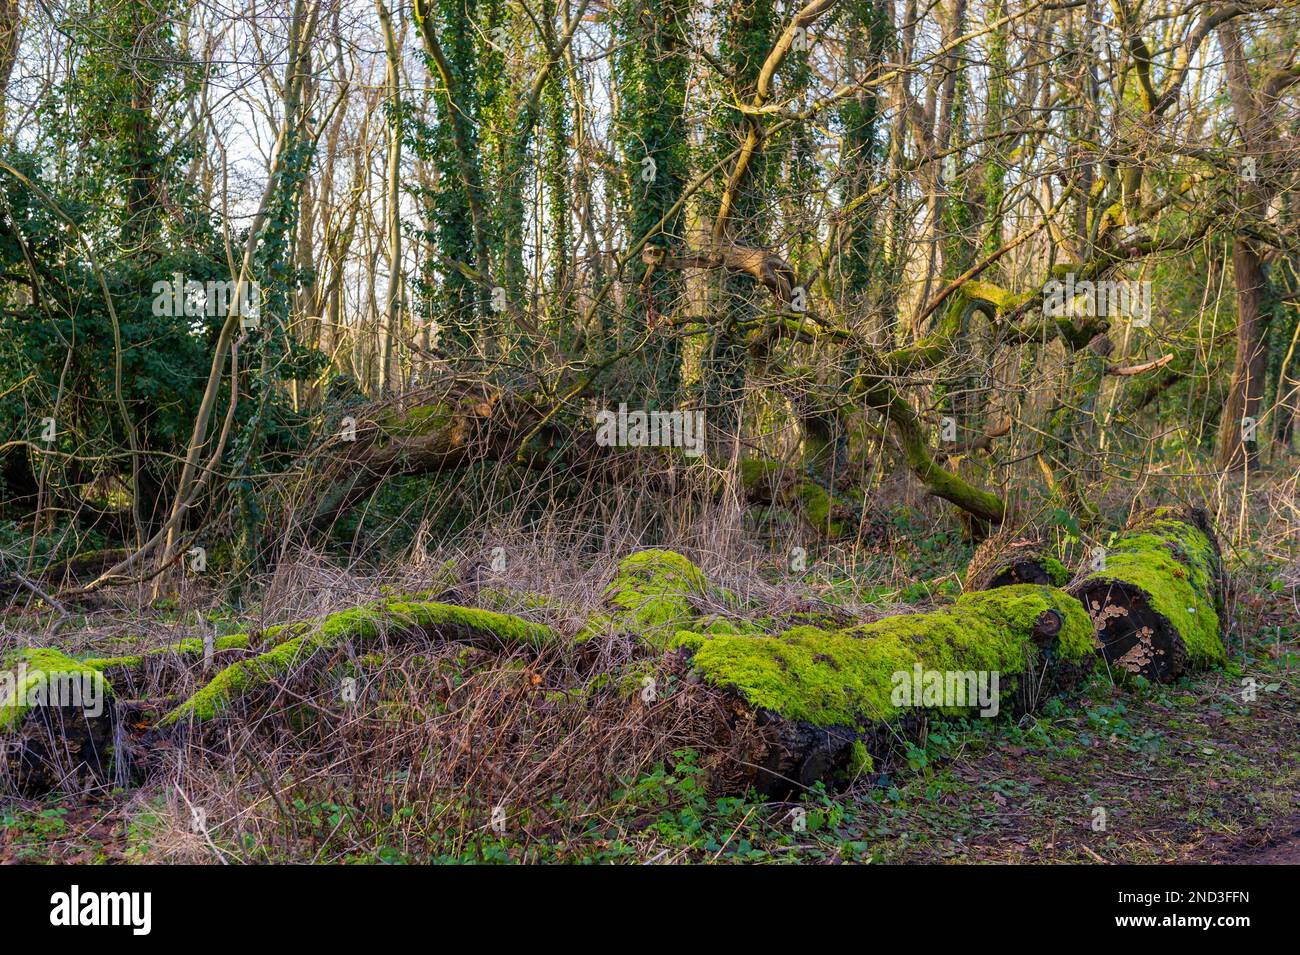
(57, 718)
(1157, 599)
(836, 697)
(1003, 560)
(652, 596)
(358, 629)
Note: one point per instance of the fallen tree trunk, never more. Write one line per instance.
(836, 699)
(441, 434)
(58, 715)
(823, 697)
(437, 433)
(70, 570)
(1157, 599)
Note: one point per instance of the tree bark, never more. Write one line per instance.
(393, 218)
(1252, 109)
(1237, 444)
(10, 33)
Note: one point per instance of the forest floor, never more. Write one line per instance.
(1203, 770)
(1187, 773)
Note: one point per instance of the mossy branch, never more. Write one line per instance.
(360, 627)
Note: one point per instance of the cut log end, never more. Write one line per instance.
(1131, 634)
(1022, 572)
(1003, 562)
(58, 748)
(1156, 603)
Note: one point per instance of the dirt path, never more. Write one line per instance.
(1280, 847)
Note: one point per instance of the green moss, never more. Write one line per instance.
(826, 679)
(418, 421)
(845, 677)
(724, 625)
(505, 630)
(816, 502)
(100, 664)
(1057, 571)
(235, 680)
(688, 640)
(190, 648)
(760, 474)
(762, 479)
(652, 592)
(360, 625)
(999, 297)
(860, 761)
(817, 505)
(31, 670)
(1018, 608)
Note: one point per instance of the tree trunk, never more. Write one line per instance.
(1237, 444)
(10, 33)
(391, 327)
(1254, 116)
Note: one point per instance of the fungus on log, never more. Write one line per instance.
(836, 696)
(57, 720)
(1157, 599)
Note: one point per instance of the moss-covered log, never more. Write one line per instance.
(57, 717)
(1003, 560)
(1157, 599)
(838, 696)
(824, 697)
(58, 714)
